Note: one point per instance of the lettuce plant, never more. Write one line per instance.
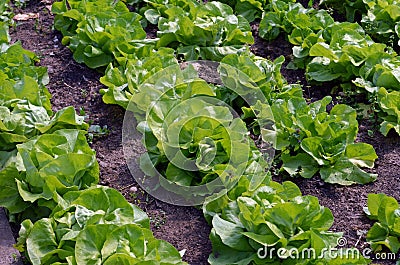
(98, 31)
(23, 120)
(68, 13)
(346, 47)
(247, 75)
(124, 80)
(294, 19)
(44, 167)
(94, 226)
(207, 31)
(273, 216)
(25, 109)
(313, 140)
(16, 63)
(190, 134)
(385, 233)
(381, 20)
(206, 135)
(20, 78)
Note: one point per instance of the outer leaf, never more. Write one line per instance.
(374, 203)
(230, 234)
(346, 173)
(390, 103)
(90, 243)
(361, 154)
(301, 164)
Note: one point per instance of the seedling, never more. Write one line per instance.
(96, 131)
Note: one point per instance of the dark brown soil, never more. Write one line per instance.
(185, 227)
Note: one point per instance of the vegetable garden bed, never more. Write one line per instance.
(73, 84)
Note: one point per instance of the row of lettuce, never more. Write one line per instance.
(343, 51)
(49, 177)
(360, 56)
(257, 212)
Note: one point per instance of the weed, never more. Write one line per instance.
(84, 92)
(159, 219)
(14, 257)
(371, 133)
(96, 131)
(82, 111)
